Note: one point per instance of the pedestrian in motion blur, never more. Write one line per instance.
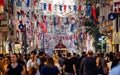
(88, 64)
(69, 66)
(2, 70)
(49, 68)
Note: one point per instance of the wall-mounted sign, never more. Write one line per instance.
(116, 38)
(111, 16)
(21, 26)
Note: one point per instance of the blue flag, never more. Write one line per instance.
(12, 2)
(60, 7)
(88, 12)
(45, 6)
(37, 23)
(73, 26)
(54, 19)
(75, 8)
(28, 3)
(67, 22)
(19, 3)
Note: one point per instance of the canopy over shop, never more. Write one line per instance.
(60, 48)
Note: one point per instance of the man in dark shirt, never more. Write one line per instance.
(69, 65)
(88, 64)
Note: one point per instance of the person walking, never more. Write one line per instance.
(33, 64)
(50, 68)
(100, 70)
(88, 65)
(69, 66)
(14, 68)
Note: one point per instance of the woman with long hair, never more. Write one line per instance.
(7, 62)
(14, 68)
(100, 70)
(50, 68)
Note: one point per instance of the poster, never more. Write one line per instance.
(116, 38)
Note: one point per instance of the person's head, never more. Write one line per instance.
(42, 54)
(74, 54)
(14, 58)
(60, 55)
(33, 54)
(7, 60)
(98, 61)
(83, 53)
(50, 62)
(98, 54)
(3, 59)
(20, 56)
(90, 53)
(68, 54)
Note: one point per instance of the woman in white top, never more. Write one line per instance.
(33, 64)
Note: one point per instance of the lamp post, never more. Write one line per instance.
(117, 30)
(43, 42)
(102, 42)
(24, 40)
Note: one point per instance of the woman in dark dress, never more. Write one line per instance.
(14, 68)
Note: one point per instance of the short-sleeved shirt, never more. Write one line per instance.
(30, 64)
(14, 71)
(115, 70)
(45, 70)
(69, 65)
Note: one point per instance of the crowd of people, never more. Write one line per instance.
(88, 63)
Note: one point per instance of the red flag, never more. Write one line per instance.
(35, 17)
(75, 37)
(58, 20)
(64, 8)
(117, 9)
(22, 12)
(34, 2)
(49, 7)
(31, 23)
(44, 20)
(82, 21)
(94, 12)
(72, 18)
(38, 35)
(79, 8)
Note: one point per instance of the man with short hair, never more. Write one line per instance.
(88, 65)
(69, 65)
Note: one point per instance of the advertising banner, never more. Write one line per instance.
(116, 38)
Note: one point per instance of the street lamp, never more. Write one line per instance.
(24, 37)
(102, 42)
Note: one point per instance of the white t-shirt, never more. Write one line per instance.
(30, 63)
